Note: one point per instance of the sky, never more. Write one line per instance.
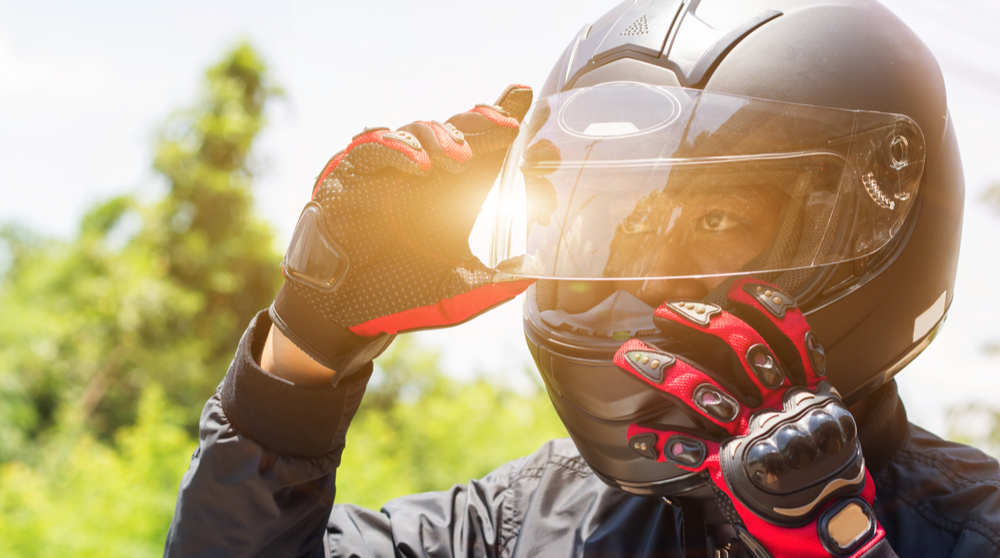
(84, 86)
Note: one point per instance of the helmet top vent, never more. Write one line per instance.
(639, 27)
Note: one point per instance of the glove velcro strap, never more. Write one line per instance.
(330, 344)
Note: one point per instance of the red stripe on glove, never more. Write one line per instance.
(450, 311)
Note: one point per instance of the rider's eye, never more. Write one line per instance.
(718, 221)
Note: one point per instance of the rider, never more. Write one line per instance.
(704, 193)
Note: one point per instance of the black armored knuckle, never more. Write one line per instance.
(313, 258)
(453, 132)
(405, 138)
(765, 366)
(817, 356)
(794, 460)
(772, 299)
(681, 450)
(699, 313)
(651, 364)
(716, 403)
(644, 445)
(685, 451)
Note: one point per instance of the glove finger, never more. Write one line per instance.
(728, 346)
(686, 382)
(776, 316)
(677, 446)
(492, 128)
(444, 144)
(374, 150)
(459, 194)
(515, 100)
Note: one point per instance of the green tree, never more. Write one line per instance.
(145, 293)
(111, 342)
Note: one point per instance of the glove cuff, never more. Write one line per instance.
(329, 343)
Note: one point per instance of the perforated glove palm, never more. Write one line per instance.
(382, 248)
(779, 447)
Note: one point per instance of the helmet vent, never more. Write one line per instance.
(640, 27)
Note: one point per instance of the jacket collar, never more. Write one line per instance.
(884, 430)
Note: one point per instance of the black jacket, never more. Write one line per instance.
(261, 483)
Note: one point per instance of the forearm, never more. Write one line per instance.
(262, 479)
(284, 359)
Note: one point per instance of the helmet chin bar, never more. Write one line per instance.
(596, 403)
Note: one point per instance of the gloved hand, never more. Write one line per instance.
(779, 447)
(382, 248)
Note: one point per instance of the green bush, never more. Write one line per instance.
(86, 498)
(418, 430)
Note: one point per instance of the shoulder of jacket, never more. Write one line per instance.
(953, 486)
(559, 455)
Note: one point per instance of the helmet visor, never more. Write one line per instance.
(632, 181)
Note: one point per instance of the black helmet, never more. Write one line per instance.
(837, 101)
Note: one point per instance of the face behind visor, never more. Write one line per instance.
(623, 186)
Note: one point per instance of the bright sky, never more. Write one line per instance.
(84, 85)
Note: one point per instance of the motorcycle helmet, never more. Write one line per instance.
(677, 144)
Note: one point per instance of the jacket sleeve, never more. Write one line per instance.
(261, 482)
(473, 519)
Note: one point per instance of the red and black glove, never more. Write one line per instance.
(383, 247)
(779, 447)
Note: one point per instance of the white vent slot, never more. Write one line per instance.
(640, 27)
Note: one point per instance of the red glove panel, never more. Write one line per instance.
(779, 446)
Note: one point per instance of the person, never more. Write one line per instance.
(704, 192)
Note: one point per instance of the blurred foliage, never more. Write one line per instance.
(85, 498)
(977, 425)
(417, 430)
(112, 342)
(156, 293)
(985, 422)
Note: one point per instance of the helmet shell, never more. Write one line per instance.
(873, 315)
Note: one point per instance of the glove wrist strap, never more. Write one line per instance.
(330, 344)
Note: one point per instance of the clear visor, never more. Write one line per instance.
(631, 181)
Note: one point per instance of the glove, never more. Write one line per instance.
(779, 447)
(382, 248)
